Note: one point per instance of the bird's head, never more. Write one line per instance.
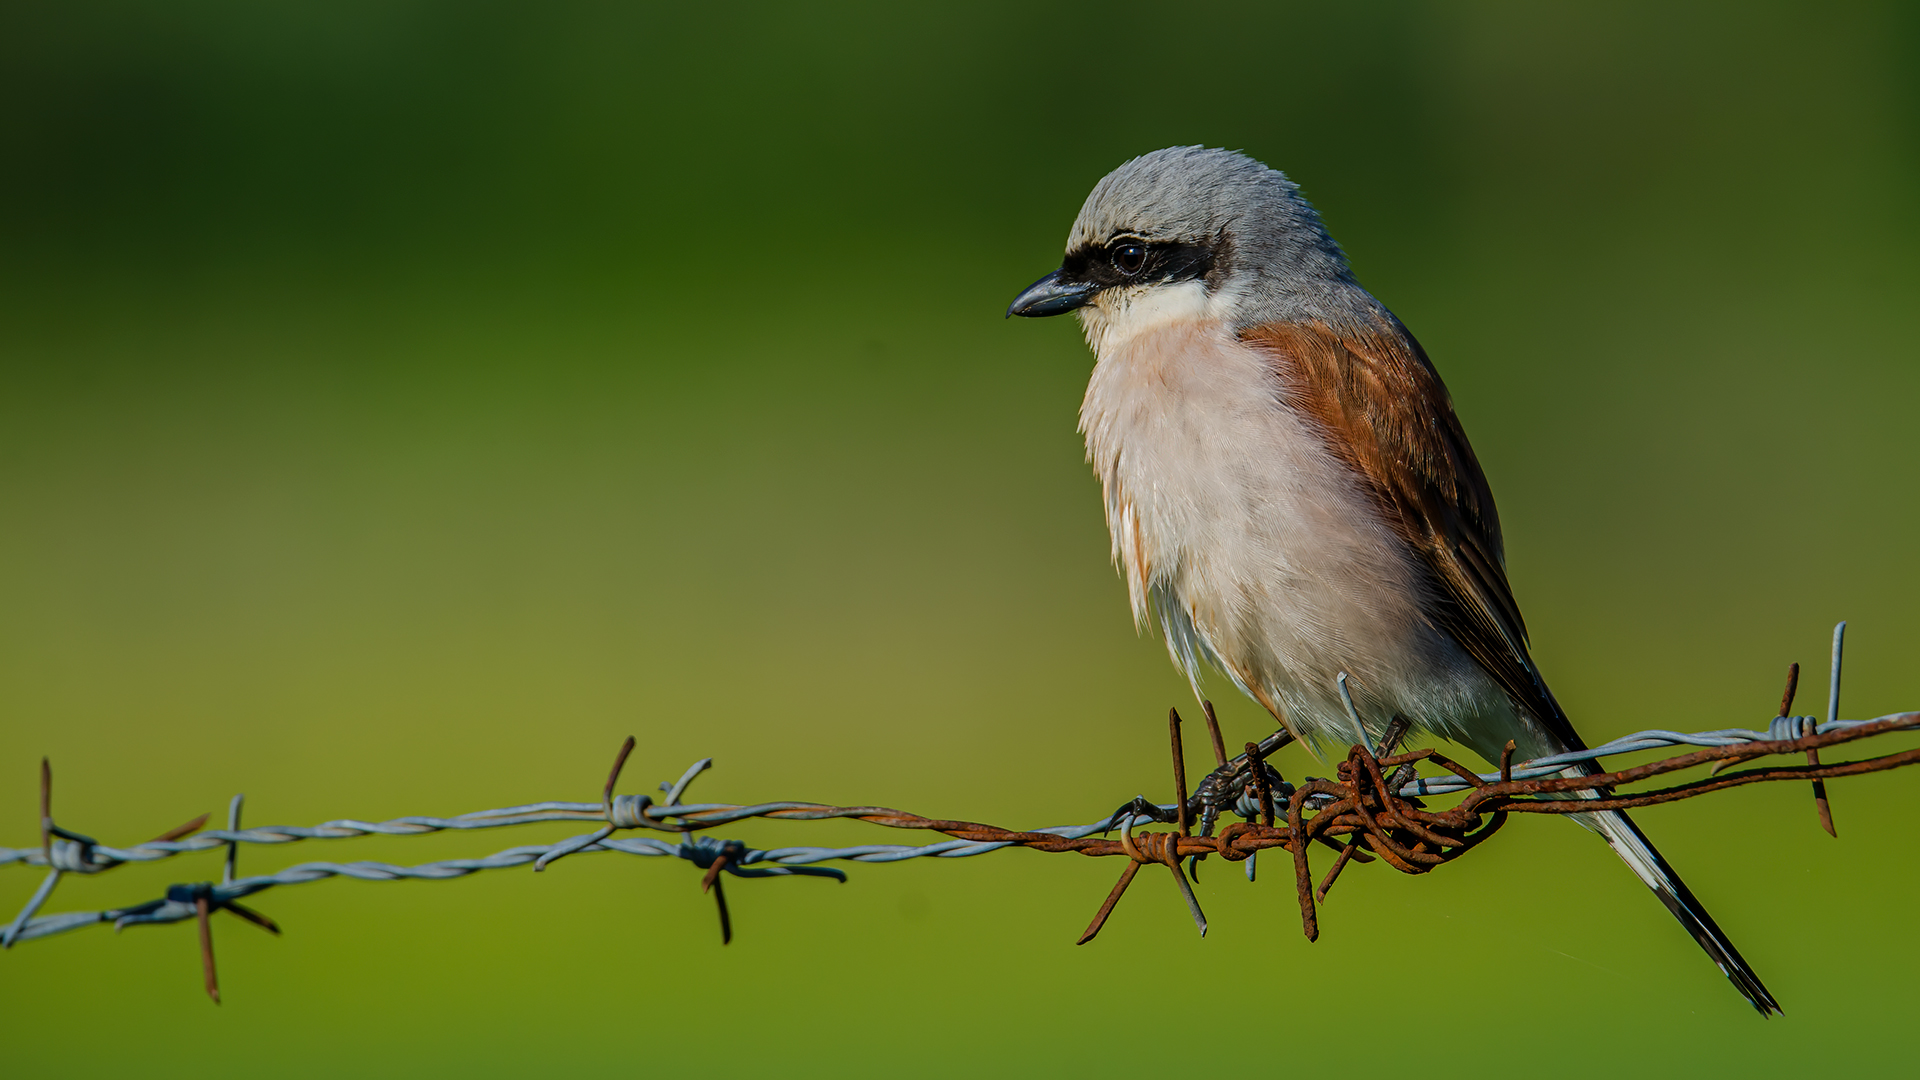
(1189, 232)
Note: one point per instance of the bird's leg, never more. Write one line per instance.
(1390, 745)
(1397, 729)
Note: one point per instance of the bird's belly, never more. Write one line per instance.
(1258, 548)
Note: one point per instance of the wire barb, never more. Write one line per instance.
(609, 809)
(1213, 733)
(63, 851)
(46, 810)
(1113, 898)
(233, 846)
(197, 901)
(1820, 803)
(1179, 771)
(204, 912)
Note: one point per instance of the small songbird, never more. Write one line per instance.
(1289, 492)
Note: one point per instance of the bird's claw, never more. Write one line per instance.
(1138, 807)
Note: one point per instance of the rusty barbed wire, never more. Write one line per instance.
(1373, 809)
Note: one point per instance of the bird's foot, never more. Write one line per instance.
(1245, 785)
(1390, 745)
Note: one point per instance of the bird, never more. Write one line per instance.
(1289, 492)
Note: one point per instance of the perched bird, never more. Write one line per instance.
(1289, 492)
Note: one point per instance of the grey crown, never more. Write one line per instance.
(1272, 256)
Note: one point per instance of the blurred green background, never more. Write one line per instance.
(401, 403)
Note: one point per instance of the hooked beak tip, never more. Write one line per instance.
(1050, 296)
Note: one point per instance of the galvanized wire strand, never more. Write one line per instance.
(759, 863)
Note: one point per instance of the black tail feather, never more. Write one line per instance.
(1659, 876)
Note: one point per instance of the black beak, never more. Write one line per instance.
(1051, 296)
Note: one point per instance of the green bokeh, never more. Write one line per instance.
(401, 403)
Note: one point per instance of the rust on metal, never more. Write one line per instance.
(181, 831)
(1113, 897)
(613, 775)
(1179, 772)
(1820, 803)
(204, 911)
(1262, 787)
(713, 873)
(1213, 733)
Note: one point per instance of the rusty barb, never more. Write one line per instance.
(1375, 808)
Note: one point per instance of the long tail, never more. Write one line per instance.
(1632, 846)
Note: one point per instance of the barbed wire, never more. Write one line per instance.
(1373, 808)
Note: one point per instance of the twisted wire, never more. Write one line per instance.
(93, 858)
(81, 855)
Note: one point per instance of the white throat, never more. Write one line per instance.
(1117, 316)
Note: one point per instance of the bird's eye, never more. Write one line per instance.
(1129, 258)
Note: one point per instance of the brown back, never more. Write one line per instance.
(1385, 411)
